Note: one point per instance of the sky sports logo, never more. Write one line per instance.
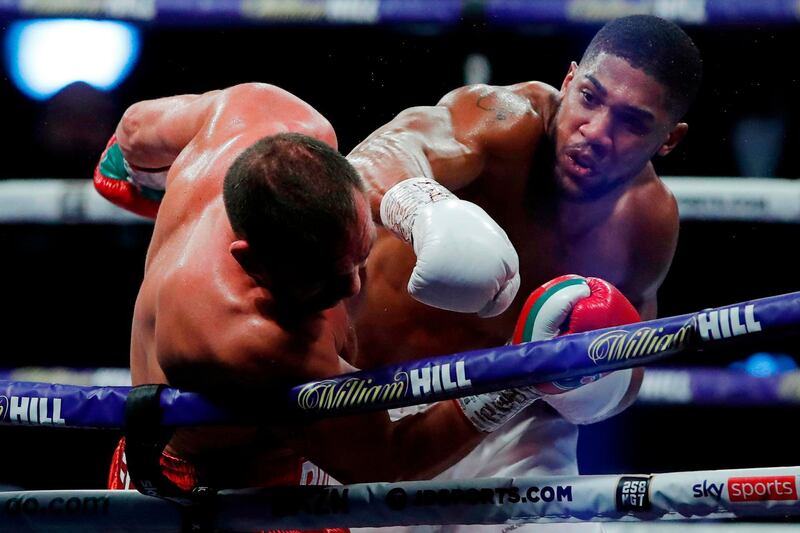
(764, 488)
(746, 489)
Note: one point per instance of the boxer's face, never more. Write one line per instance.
(332, 283)
(611, 121)
(348, 272)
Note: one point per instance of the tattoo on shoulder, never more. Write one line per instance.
(488, 102)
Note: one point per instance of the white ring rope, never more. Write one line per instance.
(737, 199)
(84, 377)
(53, 201)
(721, 494)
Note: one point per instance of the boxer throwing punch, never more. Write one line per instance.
(499, 188)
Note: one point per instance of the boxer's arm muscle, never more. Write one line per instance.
(370, 447)
(451, 142)
(654, 247)
(254, 355)
(654, 239)
(152, 133)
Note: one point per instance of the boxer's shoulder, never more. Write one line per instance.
(258, 94)
(543, 97)
(255, 110)
(651, 203)
(244, 338)
(648, 218)
(524, 100)
(504, 121)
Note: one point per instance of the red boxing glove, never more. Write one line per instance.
(134, 189)
(571, 304)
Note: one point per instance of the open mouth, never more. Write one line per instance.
(580, 164)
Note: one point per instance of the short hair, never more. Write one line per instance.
(657, 47)
(291, 197)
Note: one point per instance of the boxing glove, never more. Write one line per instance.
(573, 304)
(465, 261)
(136, 189)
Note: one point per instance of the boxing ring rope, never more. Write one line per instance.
(54, 201)
(424, 380)
(697, 386)
(700, 495)
(751, 493)
(57, 201)
(724, 387)
(495, 12)
(97, 377)
(725, 494)
(736, 199)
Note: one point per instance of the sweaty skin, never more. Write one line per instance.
(512, 151)
(202, 323)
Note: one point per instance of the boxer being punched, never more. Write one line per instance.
(560, 178)
(261, 235)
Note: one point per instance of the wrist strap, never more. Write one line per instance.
(154, 179)
(491, 410)
(401, 203)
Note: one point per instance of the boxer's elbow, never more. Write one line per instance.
(146, 132)
(418, 118)
(130, 131)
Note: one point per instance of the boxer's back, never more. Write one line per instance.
(196, 302)
(191, 281)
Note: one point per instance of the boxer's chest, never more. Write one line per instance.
(552, 240)
(547, 250)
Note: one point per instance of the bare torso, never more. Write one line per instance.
(197, 304)
(552, 237)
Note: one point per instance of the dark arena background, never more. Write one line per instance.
(69, 285)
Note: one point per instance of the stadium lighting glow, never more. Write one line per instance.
(44, 56)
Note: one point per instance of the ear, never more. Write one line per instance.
(675, 136)
(243, 254)
(241, 251)
(573, 66)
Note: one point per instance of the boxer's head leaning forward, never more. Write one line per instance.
(301, 220)
(623, 104)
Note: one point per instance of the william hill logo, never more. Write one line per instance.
(31, 410)
(620, 344)
(728, 322)
(418, 382)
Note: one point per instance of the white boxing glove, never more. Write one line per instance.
(465, 261)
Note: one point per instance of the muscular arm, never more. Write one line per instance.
(654, 247)
(372, 448)
(251, 357)
(152, 133)
(451, 142)
(653, 243)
